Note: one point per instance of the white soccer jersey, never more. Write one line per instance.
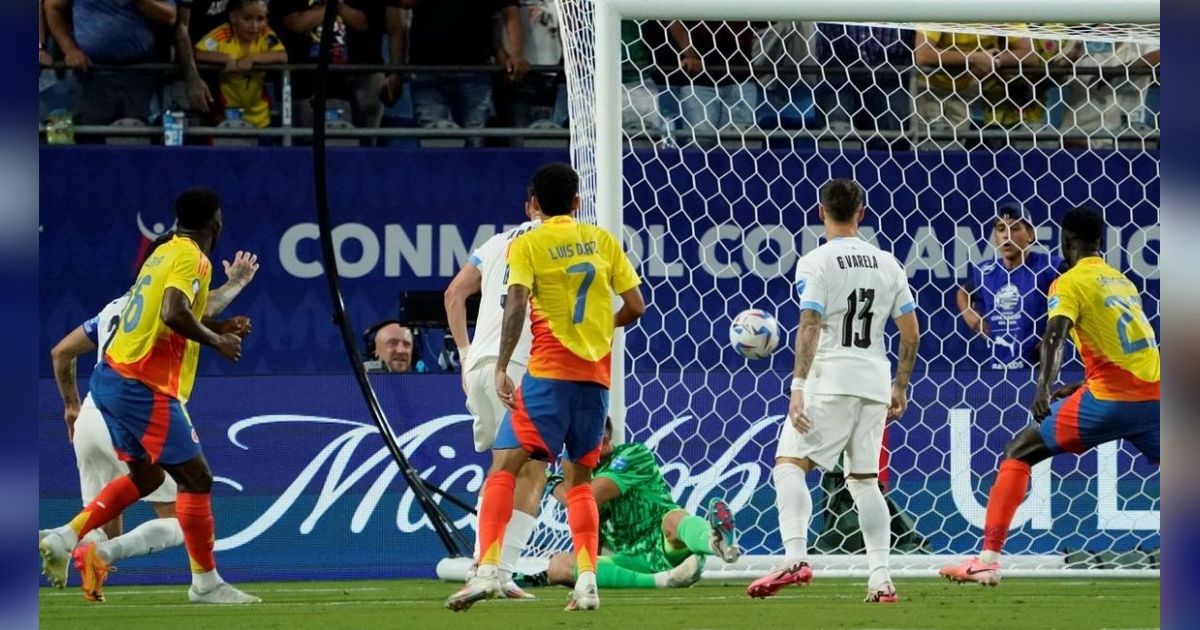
(492, 260)
(856, 287)
(101, 329)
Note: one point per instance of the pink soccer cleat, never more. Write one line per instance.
(883, 596)
(973, 570)
(773, 582)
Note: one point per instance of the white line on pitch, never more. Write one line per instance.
(183, 589)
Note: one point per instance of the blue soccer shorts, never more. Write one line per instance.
(552, 415)
(143, 423)
(1081, 421)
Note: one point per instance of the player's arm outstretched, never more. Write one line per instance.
(239, 273)
(1051, 361)
(63, 356)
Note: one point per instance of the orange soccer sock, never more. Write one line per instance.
(1006, 496)
(494, 515)
(194, 511)
(119, 494)
(584, 518)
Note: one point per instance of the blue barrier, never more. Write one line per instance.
(306, 489)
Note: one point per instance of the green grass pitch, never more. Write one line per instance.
(828, 603)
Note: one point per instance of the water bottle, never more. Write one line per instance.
(173, 128)
(234, 114)
(60, 127)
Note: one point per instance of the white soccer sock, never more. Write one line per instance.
(205, 582)
(95, 536)
(516, 536)
(478, 511)
(988, 557)
(68, 535)
(875, 523)
(584, 580)
(149, 537)
(794, 504)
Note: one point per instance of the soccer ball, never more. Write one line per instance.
(754, 334)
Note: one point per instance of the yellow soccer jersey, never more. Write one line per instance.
(1116, 341)
(572, 269)
(243, 89)
(145, 348)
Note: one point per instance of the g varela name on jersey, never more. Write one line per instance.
(857, 261)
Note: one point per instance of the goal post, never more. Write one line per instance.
(716, 214)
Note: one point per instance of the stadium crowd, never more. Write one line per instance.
(499, 63)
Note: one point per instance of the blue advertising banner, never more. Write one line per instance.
(306, 490)
(696, 222)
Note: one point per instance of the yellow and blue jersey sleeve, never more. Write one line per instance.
(624, 277)
(1111, 331)
(1063, 300)
(520, 261)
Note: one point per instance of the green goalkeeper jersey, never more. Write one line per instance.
(632, 523)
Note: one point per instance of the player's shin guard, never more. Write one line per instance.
(875, 523)
(1006, 496)
(584, 518)
(119, 494)
(494, 515)
(794, 503)
(194, 511)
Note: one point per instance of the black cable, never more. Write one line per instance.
(453, 540)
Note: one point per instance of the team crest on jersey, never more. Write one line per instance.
(618, 464)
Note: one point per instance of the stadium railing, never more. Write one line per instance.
(813, 73)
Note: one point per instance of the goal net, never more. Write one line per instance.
(727, 129)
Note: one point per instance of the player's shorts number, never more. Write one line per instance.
(1130, 312)
(133, 310)
(589, 274)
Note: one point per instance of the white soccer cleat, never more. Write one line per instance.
(56, 558)
(687, 573)
(477, 589)
(223, 593)
(587, 598)
(510, 590)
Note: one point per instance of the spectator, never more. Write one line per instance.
(390, 346)
(865, 83)
(532, 98)
(110, 33)
(460, 33)
(197, 18)
(1112, 103)
(240, 44)
(358, 39)
(1004, 300)
(719, 92)
(957, 74)
(640, 111)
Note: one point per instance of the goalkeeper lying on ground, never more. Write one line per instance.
(646, 540)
